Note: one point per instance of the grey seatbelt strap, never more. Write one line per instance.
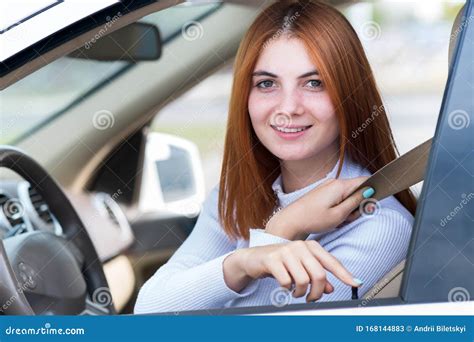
(400, 173)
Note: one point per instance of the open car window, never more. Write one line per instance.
(412, 74)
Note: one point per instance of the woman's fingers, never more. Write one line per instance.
(315, 271)
(350, 185)
(300, 277)
(318, 277)
(305, 263)
(350, 204)
(336, 191)
(305, 270)
(352, 216)
(331, 264)
(281, 275)
(328, 288)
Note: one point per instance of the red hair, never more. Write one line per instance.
(246, 197)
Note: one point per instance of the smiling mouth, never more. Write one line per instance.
(295, 129)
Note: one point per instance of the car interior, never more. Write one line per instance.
(64, 172)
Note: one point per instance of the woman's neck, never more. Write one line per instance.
(297, 174)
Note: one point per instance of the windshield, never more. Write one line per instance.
(54, 89)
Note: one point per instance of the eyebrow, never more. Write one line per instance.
(269, 74)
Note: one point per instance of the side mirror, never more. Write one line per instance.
(133, 43)
(172, 179)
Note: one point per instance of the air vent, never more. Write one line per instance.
(40, 206)
(13, 210)
(3, 199)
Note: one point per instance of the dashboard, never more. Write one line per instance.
(23, 209)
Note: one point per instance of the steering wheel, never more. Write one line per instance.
(41, 272)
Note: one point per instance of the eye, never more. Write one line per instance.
(265, 84)
(314, 83)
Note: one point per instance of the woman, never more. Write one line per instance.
(302, 86)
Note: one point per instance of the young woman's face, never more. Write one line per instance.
(290, 110)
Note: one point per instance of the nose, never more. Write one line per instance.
(290, 105)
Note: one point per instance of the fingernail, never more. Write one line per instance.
(357, 281)
(368, 192)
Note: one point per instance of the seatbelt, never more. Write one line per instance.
(400, 173)
(396, 176)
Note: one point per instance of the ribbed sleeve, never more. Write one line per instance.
(258, 237)
(193, 278)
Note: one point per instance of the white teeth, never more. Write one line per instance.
(289, 130)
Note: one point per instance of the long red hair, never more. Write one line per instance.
(246, 197)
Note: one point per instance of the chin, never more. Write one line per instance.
(291, 154)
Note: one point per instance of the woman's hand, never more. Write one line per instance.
(320, 209)
(301, 263)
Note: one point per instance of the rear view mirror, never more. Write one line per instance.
(172, 179)
(133, 43)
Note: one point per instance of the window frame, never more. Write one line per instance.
(446, 146)
(405, 296)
